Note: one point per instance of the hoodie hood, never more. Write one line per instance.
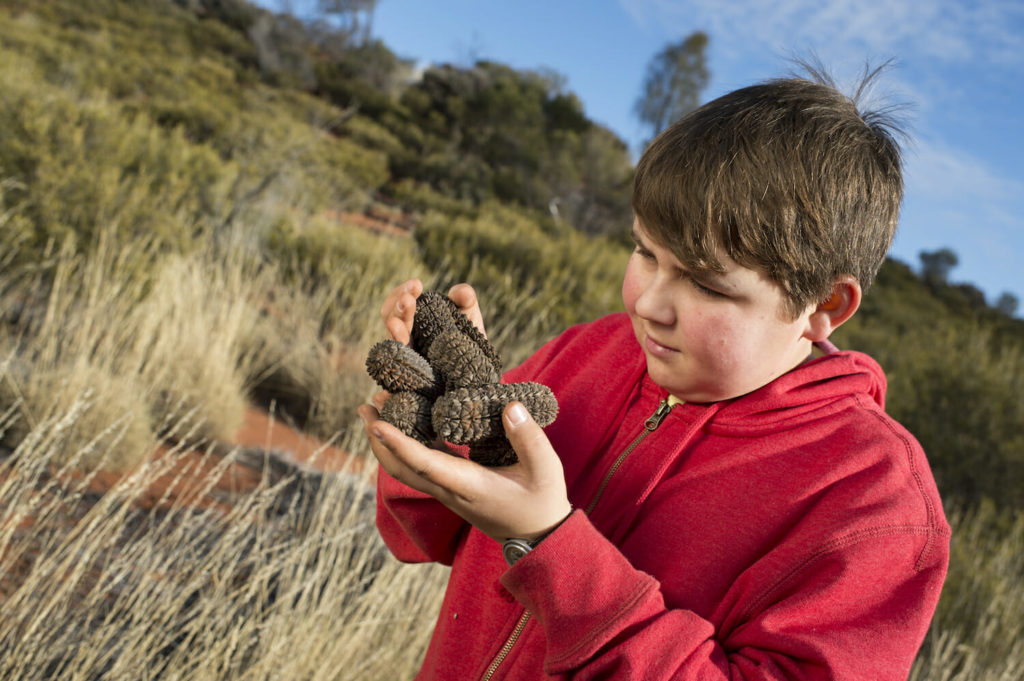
(814, 389)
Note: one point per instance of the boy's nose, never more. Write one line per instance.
(655, 304)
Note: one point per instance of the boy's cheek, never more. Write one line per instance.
(632, 287)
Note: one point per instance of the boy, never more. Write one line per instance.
(713, 501)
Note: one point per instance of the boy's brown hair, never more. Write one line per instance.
(786, 176)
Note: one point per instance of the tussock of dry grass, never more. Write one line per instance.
(101, 588)
(978, 631)
(205, 332)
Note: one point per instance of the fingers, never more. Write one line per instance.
(399, 329)
(524, 500)
(540, 466)
(398, 309)
(464, 296)
(411, 463)
(379, 399)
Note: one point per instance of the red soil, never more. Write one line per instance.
(264, 431)
(186, 483)
(373, 221)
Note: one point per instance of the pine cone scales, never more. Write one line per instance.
(397, 367)
(455, 393)
(467, 415)
(461, 361)
(411, 413)
(437, 313)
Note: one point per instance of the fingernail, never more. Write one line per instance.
(399, 306)
(376, 432)
(517, 415)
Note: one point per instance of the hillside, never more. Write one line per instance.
(176, 122)
(201, 206)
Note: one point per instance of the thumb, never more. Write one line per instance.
(464, 296)
(528, 439)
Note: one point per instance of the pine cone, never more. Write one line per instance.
(437, 313)
(467, 415)
(455, 393)
(410, 412)
(461, 362)
(397, 367)
(493, 453)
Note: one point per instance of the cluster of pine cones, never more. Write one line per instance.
(445, 385)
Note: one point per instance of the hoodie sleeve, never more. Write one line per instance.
(858, 610)
(415, 527)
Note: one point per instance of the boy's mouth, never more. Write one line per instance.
(658, 349)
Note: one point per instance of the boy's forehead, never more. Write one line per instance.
(719, 265)
(718, 262)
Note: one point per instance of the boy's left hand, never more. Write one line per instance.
(524, 500)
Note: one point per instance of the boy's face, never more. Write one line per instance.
(709, 337)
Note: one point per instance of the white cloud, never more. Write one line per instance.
(946, 30)
(941, 172)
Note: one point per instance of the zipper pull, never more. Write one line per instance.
(658, 416)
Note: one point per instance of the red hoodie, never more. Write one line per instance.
(791, 533)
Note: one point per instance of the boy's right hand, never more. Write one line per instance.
(400, 306)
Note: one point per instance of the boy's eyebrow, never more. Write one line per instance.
(710, 276)
(638, 240)
(716, 279)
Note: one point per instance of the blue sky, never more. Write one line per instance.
(958, 63)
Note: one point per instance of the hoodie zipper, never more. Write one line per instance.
(650, 425)
(507, 648)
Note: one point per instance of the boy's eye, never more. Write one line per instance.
(710, 292)
(643, 252)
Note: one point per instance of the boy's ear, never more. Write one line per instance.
(830, 314)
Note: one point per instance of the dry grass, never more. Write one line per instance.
(100, 362)
(111, 588)
(154, 339)
(978, 630)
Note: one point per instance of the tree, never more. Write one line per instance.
(936, 265)
(674, 80)
(1007, 303)
(355, 17)
(282, 47)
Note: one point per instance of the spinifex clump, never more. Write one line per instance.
(446, 384)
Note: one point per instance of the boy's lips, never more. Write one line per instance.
(658, 349)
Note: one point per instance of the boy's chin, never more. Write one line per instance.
(686, 392)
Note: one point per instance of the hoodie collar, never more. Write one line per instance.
(815, 388)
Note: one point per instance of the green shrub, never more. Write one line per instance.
(74, 166)
(959, 393)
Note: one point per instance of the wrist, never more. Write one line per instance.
(536, 537)
(515, 548)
